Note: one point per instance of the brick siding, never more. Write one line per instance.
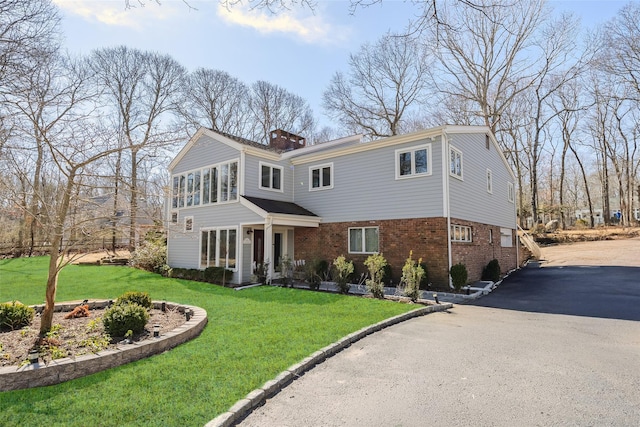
(426, 237)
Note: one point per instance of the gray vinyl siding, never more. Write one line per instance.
(365, 187)
(469, 199)
(206, 151)
(252, 179)
(184, 247)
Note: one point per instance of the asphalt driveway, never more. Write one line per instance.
(557, 345)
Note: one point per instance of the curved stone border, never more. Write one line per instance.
(243, 407)
(61, 370)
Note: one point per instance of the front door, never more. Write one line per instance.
(277, 250)
(258, 247)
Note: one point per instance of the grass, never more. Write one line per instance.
(252, 335)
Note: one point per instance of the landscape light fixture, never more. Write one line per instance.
(163, 307)
(187, 314)
(33, 356)
(156, 330)
(435, 297)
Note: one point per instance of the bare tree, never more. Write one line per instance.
(216, 100)
(484, 53)
(384, 82)
(28, 28)
(53, 109)
(273, 107)
(142, 90)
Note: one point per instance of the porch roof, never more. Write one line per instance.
(281, 213)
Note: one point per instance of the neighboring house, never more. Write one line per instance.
(446, 193)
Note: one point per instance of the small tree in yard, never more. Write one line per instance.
(459, 275)
(412, 273)
(344, 268)
(375, 263)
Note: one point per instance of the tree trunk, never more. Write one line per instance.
(134, 200)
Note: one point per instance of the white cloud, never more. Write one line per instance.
(311, 28)
(114, 13)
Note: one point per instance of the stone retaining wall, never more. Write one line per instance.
(60, 370)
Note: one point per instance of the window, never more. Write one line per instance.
(188, 223)
(214, 184)
(218, 248)
(415, 161)
(363, 240)
(270, 177)
(489, 181)
(174, 217)
(506, 239)
(193, 188)
(511, 192)
(321, 177)
(461, 233)
(455, 162)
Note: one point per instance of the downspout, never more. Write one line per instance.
(446, 199)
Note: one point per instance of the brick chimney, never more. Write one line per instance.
(286, 141)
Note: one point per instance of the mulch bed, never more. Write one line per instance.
(75, 337)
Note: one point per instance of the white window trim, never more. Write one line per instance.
(506, 233)
(217, 248)
(363, 240)
(219, 188)
(272, 166)
(462, 232)
(511, 192)
(413, 149)
(461, 176)
(188, 219)
(316, 167)
(489, 181)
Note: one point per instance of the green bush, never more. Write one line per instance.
(491, 271)
(458, 275)
(151, 256)
(387, 275)
(424, 282)
(315, 271)
(210, 274)
(217, 275)
(375, 263)
(343, 269)
(15, 315)
(120, 318)
(412, 273)
(140, 298)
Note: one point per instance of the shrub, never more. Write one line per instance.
(458, 275)
(424, 282)
(375, 263)
(151, 256)
(491, 271)
(15, 315)
(120, 318)
(387, 275)
(140, 298)
(412, 273)
(216, 275)
(314, 271)
(344, 269)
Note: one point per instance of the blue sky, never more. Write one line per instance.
(298, 50)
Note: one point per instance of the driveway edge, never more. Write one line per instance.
(257, 397)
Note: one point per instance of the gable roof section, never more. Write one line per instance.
(240, 144)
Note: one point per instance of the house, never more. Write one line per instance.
(446, 193)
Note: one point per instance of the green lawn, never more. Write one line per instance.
(252, 335)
